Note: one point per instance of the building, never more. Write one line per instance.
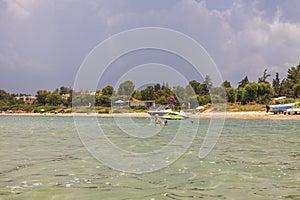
(27, 99)
(134, 103)
(65, 96)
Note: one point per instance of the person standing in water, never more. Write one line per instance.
(158, 121)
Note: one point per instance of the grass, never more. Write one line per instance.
(237, 107)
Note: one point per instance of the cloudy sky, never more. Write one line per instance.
(44, 42)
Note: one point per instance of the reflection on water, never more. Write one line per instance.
(43, 158)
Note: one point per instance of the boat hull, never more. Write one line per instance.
(281, 107)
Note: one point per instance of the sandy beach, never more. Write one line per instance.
(205, 115)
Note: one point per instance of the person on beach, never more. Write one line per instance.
(268, 108)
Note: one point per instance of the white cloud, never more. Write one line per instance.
(243, 39)
(20, 8)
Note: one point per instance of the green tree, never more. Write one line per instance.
(206, 86)
(6, 98)
(296, 89)
(108, 90)
(226, 84)
(203, 99)
(103, 100)
(251, 92)
(65, 90)
(137, 95)
(157, 87)
(162, 100)
(263, 78)
(148, 93)
(196, 86)
(294, 74)
(41, 96)
(276, 85)
(243, 82)
(54, 99)
(264, 93)
(231, 94)
(126, 88)
(204, 89)
(293, 81)
(164, 91)
(286, 88)
(241, 95)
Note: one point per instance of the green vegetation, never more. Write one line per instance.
(252, 94)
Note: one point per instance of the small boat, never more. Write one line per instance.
(281, 108)
(168, 113)
(173, 116)
(160, 112)
(295, 110)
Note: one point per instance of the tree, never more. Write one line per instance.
(264, 77)
(243, 82)
(157, 87)
(137, 95)
(251, 92)
(54, 99)
(286, 88)
(164, 91)
(240, 97)
(108, 90)
(41, 96)
(148, 93)
(226, 84)
(5, 98)
(162, 100)
(203, 89)
(126, 88)
(264, 93)
(206, 86)
(294, 74)
(296, 89)
(203, 99)
(65, 90)
(293, 80)
(196, 86)
(276, 85)
(231, 94)
(103, 100)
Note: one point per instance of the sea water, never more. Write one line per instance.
(43, 157)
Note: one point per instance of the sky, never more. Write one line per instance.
(44, 42)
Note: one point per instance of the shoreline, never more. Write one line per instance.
(204, 115)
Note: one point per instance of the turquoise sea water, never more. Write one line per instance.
(42, 157)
